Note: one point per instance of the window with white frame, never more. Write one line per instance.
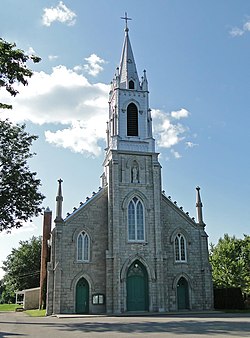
(180, 248)
(136, 226)
(83, 247)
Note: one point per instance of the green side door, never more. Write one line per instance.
(182, 294)
(82, 296)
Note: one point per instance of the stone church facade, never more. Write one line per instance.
(129, 247)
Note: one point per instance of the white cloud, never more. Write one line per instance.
(59, 13)
(81, 136)
(246, 26)
(60, 97)
(26, 227)
(52, 57)
(179, 114)
(236, 31)
(175, 153)
(190, 144)
(167, 132)
(31, 51)
(92, 67)
(80, 110)
(66, 98)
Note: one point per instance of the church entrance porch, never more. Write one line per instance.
(182, 294)
(82, 296)
(137, 288)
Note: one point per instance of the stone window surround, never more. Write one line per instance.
(180, 248)
(84, 236)
(136, 240)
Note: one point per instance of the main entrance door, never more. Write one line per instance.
(137, 288)
(182, 294)
(82, 296)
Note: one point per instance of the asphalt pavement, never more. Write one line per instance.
(18, 325)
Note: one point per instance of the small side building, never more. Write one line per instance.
(30, 298)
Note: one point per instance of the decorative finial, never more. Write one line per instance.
(59, 200)
(126, 21)
(199, 206)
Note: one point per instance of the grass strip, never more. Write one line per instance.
(36, 313)
(8, 307)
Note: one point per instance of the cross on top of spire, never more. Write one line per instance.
(126, 20)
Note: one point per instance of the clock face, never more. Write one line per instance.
(129, 61)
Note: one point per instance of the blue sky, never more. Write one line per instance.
(197, 57)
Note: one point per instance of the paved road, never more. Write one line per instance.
(18, 325)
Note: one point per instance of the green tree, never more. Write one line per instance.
(230, 260)
(13, 68)
(19, 195)
(22, 268)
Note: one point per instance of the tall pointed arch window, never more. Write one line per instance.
(180, 248)
(132, 120)
(136, 223)
(83, 244)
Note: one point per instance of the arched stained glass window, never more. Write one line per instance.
(180, 248)
(83, 247)
(132, 120)
(136, 228)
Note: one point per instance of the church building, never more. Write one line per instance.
(129, 247)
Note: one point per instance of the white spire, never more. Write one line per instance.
(127, 71)
(130, 124)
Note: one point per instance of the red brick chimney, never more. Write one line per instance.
(44, 257)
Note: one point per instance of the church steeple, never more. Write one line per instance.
(130, 123)
(127, 72)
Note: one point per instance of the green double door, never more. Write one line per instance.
(182, 294)
(137, 288)
(82, 296)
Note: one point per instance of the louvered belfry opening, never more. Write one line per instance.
(132, 120)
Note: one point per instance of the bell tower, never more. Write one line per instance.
(132, 175)
(130, 124)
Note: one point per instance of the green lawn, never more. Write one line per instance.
(12, 307)
(35, 313)
(9, 307)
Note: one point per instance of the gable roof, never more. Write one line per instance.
(94, 196)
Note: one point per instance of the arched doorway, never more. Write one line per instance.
(82, 296)
(182, 294)
(137, 288)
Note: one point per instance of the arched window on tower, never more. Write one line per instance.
(131, 84)
(136, 226)
(132, 120)
(83, 247)
(180, 248)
